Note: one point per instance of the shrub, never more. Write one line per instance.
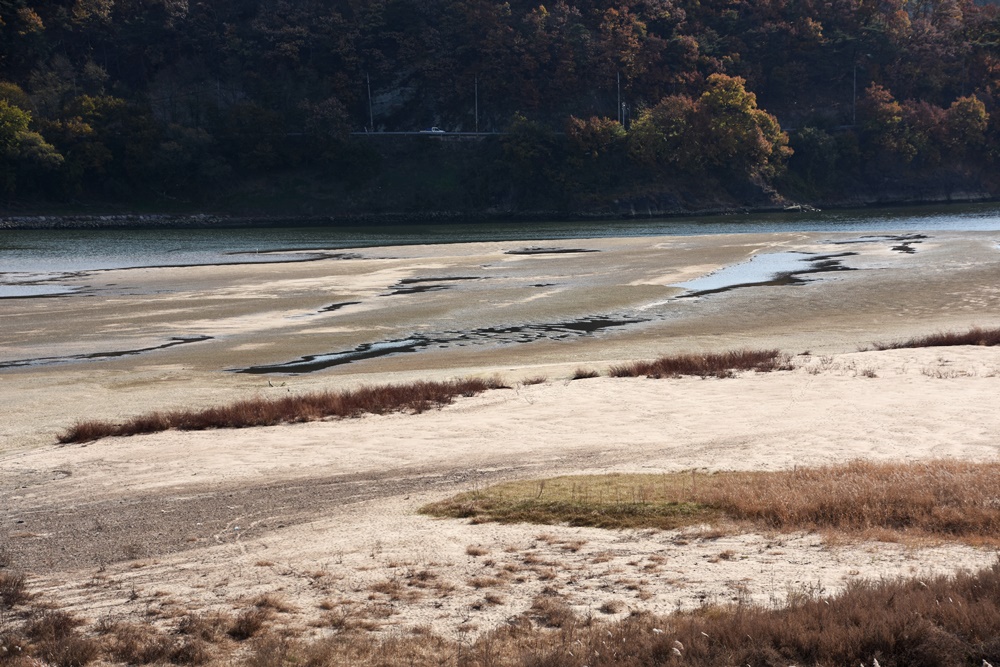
(712, 364)
(415, 397)
(974, 336)
(248, 624)
(13, 590)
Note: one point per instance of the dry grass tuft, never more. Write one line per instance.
(712, 364)
(13, 590)
(55, 639)
(612, 607)
(273, 601)
(248, 623)
(204, 627)
(551, 612)
(415, 397)
(135, 644)
(584, 374)
(941, 499)
(974, 336)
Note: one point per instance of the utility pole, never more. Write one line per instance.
(620, 120)
(477, 104)
(371, 116)
(854, 98)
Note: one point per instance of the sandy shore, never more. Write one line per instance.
(323, 514)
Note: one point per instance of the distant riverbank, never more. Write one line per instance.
(626, 211)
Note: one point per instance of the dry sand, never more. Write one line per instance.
(324, 514)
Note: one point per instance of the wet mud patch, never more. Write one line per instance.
(414, 281)
(420, 285)
(337, 306)
(526, 333)
(35, 291)
(536, 250)
(310, 254)
(417, 289)
(98, 356)
(319, 362)
(904, 242)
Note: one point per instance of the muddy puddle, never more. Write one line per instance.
(102, 356)
(526, 333)
(766, 269)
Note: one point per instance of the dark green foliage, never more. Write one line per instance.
(166, 102)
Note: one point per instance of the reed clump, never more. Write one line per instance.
(974, 336)
(939, 499)
(415, 397)
(709, 364)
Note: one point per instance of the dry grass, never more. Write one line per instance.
(974, 336)
(584, 374)
(712, 364)
(248, 623)
(939, 621)
(135, 644)
(274, 602)
(12, 589)
(936, 621)
(414, 397)
(941, 499)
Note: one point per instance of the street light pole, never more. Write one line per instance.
(620, 119)
(371, 115)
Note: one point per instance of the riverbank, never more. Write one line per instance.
(319, 520)
(222, 221)
(636, 208)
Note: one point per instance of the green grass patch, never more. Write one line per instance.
(952, 500)
(601, 501)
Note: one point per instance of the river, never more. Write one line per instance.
(32, 262)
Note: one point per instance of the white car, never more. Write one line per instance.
(433, 130)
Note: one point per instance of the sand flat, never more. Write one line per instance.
(211, 518)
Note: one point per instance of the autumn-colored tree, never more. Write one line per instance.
(883, 129)
(596, 154)
(966, 121)
(735, 135)
(663, 135)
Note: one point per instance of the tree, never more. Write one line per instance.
(23, 153)
(596, 153)
(662, 135)
(735, 135)
(883, 131)
(965, 123)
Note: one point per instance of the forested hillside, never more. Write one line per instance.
(250, 104)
